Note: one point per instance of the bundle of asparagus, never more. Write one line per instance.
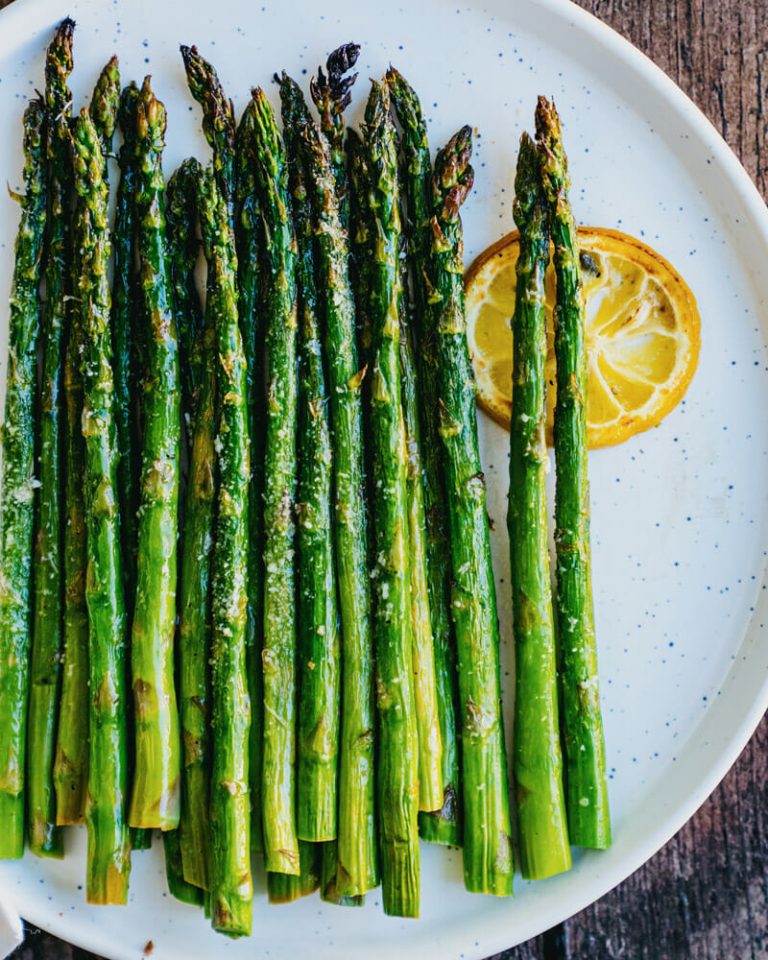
(323, 684)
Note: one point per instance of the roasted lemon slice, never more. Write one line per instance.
(642, 332)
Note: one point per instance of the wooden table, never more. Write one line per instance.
(705, 895)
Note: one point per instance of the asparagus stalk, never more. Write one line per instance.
(330, 877)
(70, 761)
(251, 312)
(70, 768)
(282, 888)
(104, 106)
(183, 249)
(218, 122)
(230, 868)
(45, 659)
(398, 782)
(488, 864)
(360, 241)
(197, 347)
(155, 793)
(586, 788)
(17, 483)
(174, 871)
(332, 93)
(123, 332)
(443, 825)
(356, 853)
(108, 839)
(126, 338)
(422, 646)
(195, 619)
(279, 652)
(541, 817)
(235, 180)
(318, 657)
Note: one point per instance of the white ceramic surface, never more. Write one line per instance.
(679, 513)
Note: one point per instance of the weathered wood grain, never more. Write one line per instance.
(705, 895)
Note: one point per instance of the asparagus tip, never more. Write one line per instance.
(527, 180)
(332, 89)
(454, 175)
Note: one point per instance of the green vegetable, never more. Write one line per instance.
(70, 768)
(444, 824)
(423, 653)
(128, 342)
(488, 863)
(357, 842)
(332, 93)
(330, 877)
(282, 888)
(183, 247)
(218, 121)
(361, 246)
(586, 788)
(195, 618)
(231, 886)
(398, 781)
(174, 874)
(542, 828)
(71, 758)
(125, 332)
(318, 658)
(18, 483)
(105, 812)
(155, 793)
(281, 847)
(249, 243)
(45, 659)
(105, 101)
(197, 347)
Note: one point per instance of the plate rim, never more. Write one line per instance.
(28, 15)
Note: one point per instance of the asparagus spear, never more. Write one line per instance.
(108, 839)
(423, 651)
(155, 793)
(541, 819)
(104, 107)
(230, 867)
(195, 618)
(278, 775)
(218, 121)
(123, 310)
(251, 312)
(174, 871)
(330, 877)
(444, 824)
(70, 761)
(488, 865)
(356, 853)
(398, 782)
(197, 347)
(586, 789)
(183, 249)
(17, 483)
(282, 888)
(45, 658)
(360, 241)
(126, 338)
(70, 768)
(332, 95)
(318, 656)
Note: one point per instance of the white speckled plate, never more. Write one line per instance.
(679, 513)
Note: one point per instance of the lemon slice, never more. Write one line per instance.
(642, 333)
